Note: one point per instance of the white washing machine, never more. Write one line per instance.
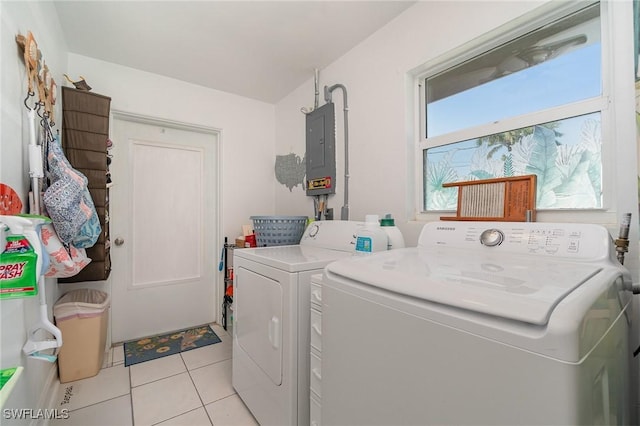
(271, 320)
(482, 324)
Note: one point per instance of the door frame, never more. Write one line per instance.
(117, 114)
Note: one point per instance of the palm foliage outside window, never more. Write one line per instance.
(568, 165)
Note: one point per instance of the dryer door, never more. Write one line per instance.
(259, 318)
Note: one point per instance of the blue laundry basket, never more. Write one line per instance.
(278, 230)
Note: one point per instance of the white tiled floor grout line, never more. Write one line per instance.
(130, 396)
(199, 396)
(103, 399)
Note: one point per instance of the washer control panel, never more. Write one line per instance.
(332, 234)
(579, 241)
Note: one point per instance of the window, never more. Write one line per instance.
(530, 104)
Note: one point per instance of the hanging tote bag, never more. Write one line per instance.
(68, 201)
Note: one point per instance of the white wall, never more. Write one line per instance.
(17, 316)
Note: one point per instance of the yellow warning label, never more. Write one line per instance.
(319, 183)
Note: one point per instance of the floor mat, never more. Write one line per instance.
(141, 350)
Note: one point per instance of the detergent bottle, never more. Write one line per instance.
(371, 237)
(395, 238)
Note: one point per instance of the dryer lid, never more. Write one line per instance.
(291, 258)
(521, 288)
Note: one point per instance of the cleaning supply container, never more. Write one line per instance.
(395, 238)
(371, 238)
(82, 316)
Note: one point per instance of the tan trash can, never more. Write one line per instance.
(82, 316)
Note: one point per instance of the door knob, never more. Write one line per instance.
(119, 241)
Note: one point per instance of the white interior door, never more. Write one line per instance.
(164, 225)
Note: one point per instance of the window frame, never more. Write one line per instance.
(524, 24)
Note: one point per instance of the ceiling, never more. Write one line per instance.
(258, 49)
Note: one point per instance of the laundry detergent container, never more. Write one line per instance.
(82, 316)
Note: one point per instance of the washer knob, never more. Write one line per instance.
(492, 237)
(313, 229)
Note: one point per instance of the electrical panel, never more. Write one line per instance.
(321, 150)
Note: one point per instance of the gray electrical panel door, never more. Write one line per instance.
(321, 150)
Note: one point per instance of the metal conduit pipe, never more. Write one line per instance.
(316, 80)
(344, 212)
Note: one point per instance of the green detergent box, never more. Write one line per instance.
(18, 265)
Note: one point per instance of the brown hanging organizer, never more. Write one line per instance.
(85, 131)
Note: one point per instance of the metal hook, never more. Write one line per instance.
(39, 106)
(48, 129)
(29, 94)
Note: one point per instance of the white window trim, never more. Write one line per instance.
(613, 66)
(542, 116)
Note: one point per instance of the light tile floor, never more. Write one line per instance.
(191, 388)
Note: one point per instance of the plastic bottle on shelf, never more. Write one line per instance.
(371, 237)
(395, 238)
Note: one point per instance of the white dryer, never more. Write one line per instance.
(271, 320)
(482, 323)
